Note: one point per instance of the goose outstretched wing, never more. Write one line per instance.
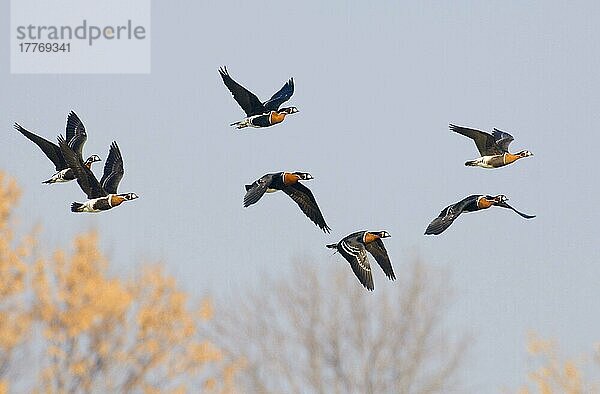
(377, 249)
(50, 149)
(245, 98)
(356, 255)
(281, 96)
(113, 170)
(257, 189)
(75, 132)
(524, 215)
(307, 203)
(503, 139)
(445, 218)
(485, 142)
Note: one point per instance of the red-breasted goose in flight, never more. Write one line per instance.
(492, 147)
(259, 114)
(76, 137)
(288, 182)
(472, 203)
(354, 248)
(102, 195)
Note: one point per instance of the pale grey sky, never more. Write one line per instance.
(376, 85)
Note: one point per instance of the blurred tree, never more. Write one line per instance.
(555, 374)
(319, 331)
(15, 320)
(91, 332)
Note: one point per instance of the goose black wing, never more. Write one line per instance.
(503, 139)
(485, 142)
(307, 203)
(446, 218)
(245, 98)
(113, 170)
(356, 255)
(51, 150)
(377, 249)
(281, 96)
(524, 215)
(76, 135)
(257, 189)
(85, 177)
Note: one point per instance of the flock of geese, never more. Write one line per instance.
(68, 161)
(102, 195)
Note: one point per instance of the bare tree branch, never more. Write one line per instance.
(317, 330)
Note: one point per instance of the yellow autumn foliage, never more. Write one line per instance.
(15, 321)
(554, 375)
(93, 332)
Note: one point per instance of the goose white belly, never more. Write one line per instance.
(247, 122)
(59, 177)
(250, 121)
(88, 206)
(485, 161)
